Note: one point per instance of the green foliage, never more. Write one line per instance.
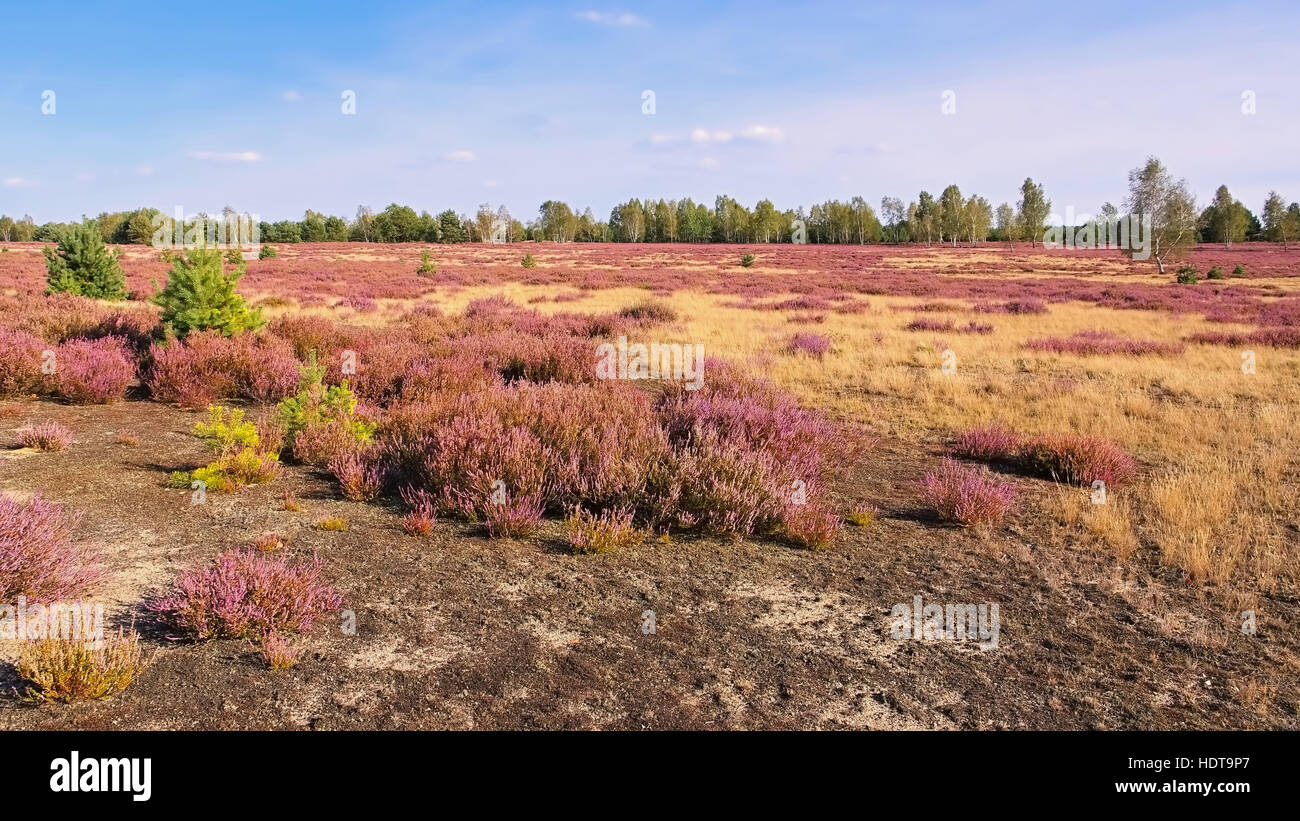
(226, 431)
(747, 261)
(427, 266)
(1188, 275)
(1239, 271)
(240, 461)
(83, 265)
(319, 404)
(234, 257)
(200, 295)
(1215, 273)
(266, 252)
(178, 480)
(528, 261)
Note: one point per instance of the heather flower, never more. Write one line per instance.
(246, 593)
(47, 436)
(37, 557)
(972, 497)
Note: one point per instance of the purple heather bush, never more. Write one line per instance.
(359, 474)
(246, 594)
(93, 371)
(207, 367)
(970, 496)
(1103, 343)
(809, 344)
(1078, 459)
(47, 436)
(37, 557)
(986, 444)
(20, 362)
(519, 515)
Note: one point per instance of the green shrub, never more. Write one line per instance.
(83, 265)
(427, 267)
(317, 404)
(266, 252)
(1239, 271)
(234, 256)
(1215, 273)
(241, 461)
(201, 296)
(747, 261)
(179, 480)
(528, 261)
(1188, 275)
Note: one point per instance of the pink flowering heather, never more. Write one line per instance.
(48, 436)
(972, 497)
(421, 514)
(1013, 306)
(1104, 343)
(986, 444)
(37, 558)
(810, 344)
(926, 324)
(810, 526)
(207, 367)
(93, 371)
(20, 362)
(360, 476)
(246, 594)
(520, 515)
(1078, 459)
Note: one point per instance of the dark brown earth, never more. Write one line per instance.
(458, 631)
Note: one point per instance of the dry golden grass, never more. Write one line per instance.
(1218, 496)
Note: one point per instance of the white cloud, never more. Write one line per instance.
(226, 156)
(18, 182)
(756, 133)
(610, 19)
(762, 132)
(664, 139)
(460, 156)
(291, 96)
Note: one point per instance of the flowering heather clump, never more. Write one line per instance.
(207, 366)
(290, 502)
(46, 436)
(37, 558)
(246, 593)
(809, 344)
(360, 304)
(591, 533)
(806, 319)
(972, 497)
(975, 328)
(278, 652)
(649, 311)
(1012, 306)
(1078, 459)
(422, 513)
(20, 362)
(93, 371)
(932, 307)
(359, 474)
(1271, 337)
(517, 517)
(986, 444)
(1085, 343)
(924, 324)
(810, 526)
(62, 669)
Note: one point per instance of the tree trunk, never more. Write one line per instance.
(1160, 265)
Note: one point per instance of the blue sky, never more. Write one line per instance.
(514, 103)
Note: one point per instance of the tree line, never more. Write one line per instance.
(949, 218)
